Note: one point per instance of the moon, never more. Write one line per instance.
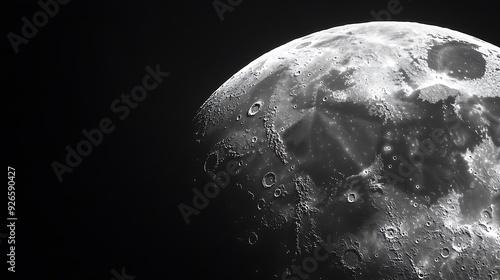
(366, 151)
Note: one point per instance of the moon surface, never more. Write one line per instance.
(379, 139)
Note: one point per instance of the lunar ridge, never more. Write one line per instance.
(380, 138)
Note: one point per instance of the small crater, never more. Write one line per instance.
(212, 162)
(277, 192)
(269, 180)
(253, 238)
(390, 233)
(486, 215)
(255, 108)
(261, 203)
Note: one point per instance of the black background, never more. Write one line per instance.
(119, 207)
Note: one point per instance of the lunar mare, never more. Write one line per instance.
(383, 136)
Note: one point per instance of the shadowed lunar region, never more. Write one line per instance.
(378, 139)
